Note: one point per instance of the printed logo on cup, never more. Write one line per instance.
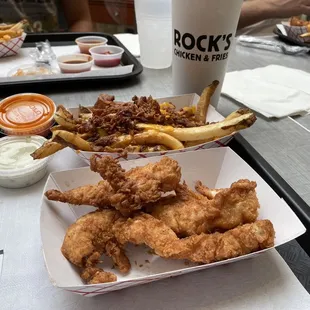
(202, 48)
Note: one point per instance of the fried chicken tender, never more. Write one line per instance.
(190, 213)
(88, 239)
(94, 275)
(125, 191)
(138, 186)
(238, 204)
(186, 213)
(203, 248)
(92, 195)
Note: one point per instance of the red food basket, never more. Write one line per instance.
(12, 47)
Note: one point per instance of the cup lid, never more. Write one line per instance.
(25, 111)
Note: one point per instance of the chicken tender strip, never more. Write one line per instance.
(92, 195)
(90, 237)
(94, 275)
(186, 213)
(238, 204)
(190, 213)
(138, 186)
(203, 248)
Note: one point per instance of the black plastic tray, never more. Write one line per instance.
(277, 183)
(62, 39)
(289, 40)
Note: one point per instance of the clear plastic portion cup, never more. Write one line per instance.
(154, 22)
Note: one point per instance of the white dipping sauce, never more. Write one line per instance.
(17, 167)
(16, 154)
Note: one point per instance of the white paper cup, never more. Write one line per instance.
(155, 32)
(203, 34)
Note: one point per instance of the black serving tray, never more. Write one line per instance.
(62, 39)
(289, 40)
(277, 183)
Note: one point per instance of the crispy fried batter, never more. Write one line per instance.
(189, 213)
(118, 256)
(238, 204)
(94, 275)
(186, 213)
(145, 229)
(126, 191)
(92, 195)
(138, 186)
(89, 238)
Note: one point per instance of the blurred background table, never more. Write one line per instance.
(261, 283)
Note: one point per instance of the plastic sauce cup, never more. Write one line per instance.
(86, 43)
(76, 63)
(26, 114)
(17, 168)
(107, 55)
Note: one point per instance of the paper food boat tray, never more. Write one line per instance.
(216, 168)
(12, 47)
(180, 102)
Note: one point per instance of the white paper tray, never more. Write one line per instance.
(180, 102)
(217, 168)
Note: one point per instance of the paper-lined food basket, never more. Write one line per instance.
(179, 102)
(216, 168)
(12, 47)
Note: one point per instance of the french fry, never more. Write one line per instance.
(229, 117)
(209, 132)
(19, 25)
(305, 35)
(65, 123)
(122, 141)
(63, 112)
(6, 26)
(204, 101)
(7, 37)
(71, 139)
(237, 114)
(11, 33)
(149, 137)
(85, 113)
(155, 137)
(47, 149)
(64, 118)
(56, 128)
(84, 109)
(8, 32)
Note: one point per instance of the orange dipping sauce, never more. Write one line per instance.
(26, 114)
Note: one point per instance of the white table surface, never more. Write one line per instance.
(265, 282)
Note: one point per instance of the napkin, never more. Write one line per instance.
(131, 41)
(273, 91)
